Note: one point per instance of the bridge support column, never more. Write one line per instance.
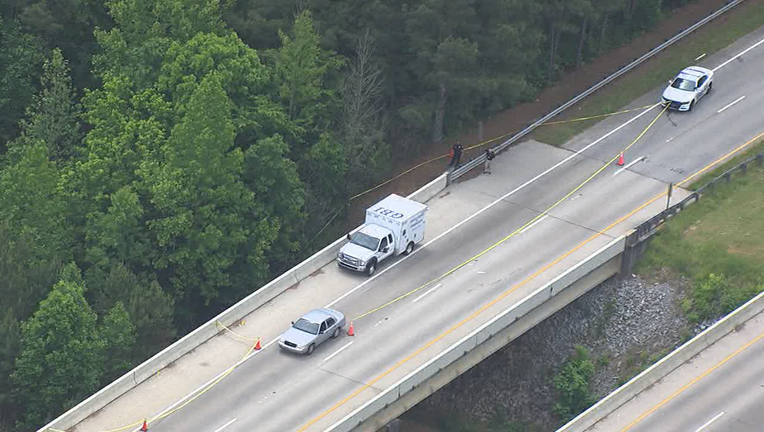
(632, 252)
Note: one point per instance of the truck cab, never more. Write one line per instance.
(368, 246)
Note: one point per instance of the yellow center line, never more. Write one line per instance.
(518, 230)
(694, 381)
(488, 141)
(511, 290)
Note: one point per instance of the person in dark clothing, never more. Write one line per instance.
(489, 155)
(456, 154)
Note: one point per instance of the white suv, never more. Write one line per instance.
(687, 88)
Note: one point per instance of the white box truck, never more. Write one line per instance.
(392, 227)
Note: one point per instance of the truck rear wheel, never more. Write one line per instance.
(371, 268)
(409, 248)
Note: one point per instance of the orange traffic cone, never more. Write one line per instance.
(350, 330)
(257, 345)
(620, 160)
(145, 426)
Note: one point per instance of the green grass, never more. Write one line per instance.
(718, 243)
(637, 362)
(659, 70)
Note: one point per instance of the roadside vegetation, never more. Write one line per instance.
(656, 72)
(573, 387)
(718, 243)
(160, 160)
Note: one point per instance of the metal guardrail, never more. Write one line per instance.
(479, 160)
(648, 228)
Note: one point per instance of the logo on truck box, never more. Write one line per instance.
(387, 212)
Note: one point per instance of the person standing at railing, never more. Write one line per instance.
(489, 155)
(456, 154)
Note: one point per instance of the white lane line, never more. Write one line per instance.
(474, 215)
(213, 379)
(337, 352)
(456, 226)
(534, 224)
(735, 58)
(639, 159)
(718, 416)
(225, 426)
(729, 105)
(700, 56)
(428, 291)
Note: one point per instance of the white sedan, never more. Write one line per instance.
(314, 328)
(687, 88)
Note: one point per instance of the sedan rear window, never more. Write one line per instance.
(306, 326)
(683, 84)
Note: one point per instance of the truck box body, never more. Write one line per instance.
(402, 216)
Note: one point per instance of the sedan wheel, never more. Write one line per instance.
(336, 333)
(692, 105)
(311, 347)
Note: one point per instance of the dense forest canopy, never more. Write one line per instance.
(160, 160)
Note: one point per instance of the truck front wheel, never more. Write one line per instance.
(409, 248)
(371, 268)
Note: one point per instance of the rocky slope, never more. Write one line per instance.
(625, 323)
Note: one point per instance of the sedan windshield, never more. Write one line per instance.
(306, 326)
(365, 240)
(683, 84)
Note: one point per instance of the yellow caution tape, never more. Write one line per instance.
(488, 141)
(248, 339)
(539, 216)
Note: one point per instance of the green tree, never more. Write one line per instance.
(21, 59)
(33, 204)
(509, 47)
(276, 183)
(572, 385)
(150, 309)
(244, 78)
(53, 116)
(203, 205)
(64, 24)
(24, 281)
(10, 334)
(442, 52)
(146, 29)
(306, 80)
(118, 333)
(61, 355)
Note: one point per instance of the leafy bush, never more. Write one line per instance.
(715, 295)
(572, 385)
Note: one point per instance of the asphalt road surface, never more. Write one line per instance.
(276, 391)
(719, 390)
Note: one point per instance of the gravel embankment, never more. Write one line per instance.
(622, 322)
